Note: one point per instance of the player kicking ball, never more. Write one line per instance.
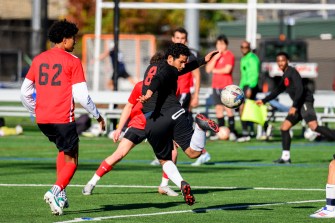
(166, 120)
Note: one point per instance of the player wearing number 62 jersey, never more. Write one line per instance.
(58, 78)
(166, 119)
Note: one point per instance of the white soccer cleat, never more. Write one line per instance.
(166, 190)
(88, 189)
(63, 202)
(204, 158)
(62, 199)
(155, 162)
(323, 213)
(52, 200)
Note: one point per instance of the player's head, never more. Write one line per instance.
(63, 31)
(222, 43)
(245, 47)
(282, 59)
(179, 35)
(158, 56)
(177, 54)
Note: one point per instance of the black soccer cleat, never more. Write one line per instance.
(282, 161)
(206, 124)
(187, 193)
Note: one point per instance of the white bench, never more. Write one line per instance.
(106, 100)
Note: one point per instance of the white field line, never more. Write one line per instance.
(142, 186)
(188, 211)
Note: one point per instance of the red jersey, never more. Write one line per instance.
(53, 73)
(137, 118)
(185, 82)
(221, 80)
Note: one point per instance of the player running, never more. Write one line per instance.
(58, 78)
(133, 136)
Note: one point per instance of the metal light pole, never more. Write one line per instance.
(116, 42)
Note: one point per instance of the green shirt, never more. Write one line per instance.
(249, 67)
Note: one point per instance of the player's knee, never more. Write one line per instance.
(191, 153)
(332, 165)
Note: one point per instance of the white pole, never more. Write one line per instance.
(251, 28)
(192, 25)
(97, 42)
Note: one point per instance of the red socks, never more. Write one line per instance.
(103, 169)
(65, 175)
(60, 163)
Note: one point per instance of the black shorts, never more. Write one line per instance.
(185, 100)
(135, 135)
(123, 74)
(216, 96)
(306, 112)
(172, 124)
(254, 91)
(65, 135)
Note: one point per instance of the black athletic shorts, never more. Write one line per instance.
(216, 96)
(135, 135)
(123, 74)
(65, 135)
(306, 112)
(172, 124)
(185, 100)
(254, 91)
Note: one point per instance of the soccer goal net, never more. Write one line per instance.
(136, 51)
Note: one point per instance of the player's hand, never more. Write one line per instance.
(292, 111)
(146, 97)
(248, 93)
(211, 55)
(102, 123)
(116, 135)
(259, 102)
(194, 102)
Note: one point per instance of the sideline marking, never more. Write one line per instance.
(202, 210)
(143, 186)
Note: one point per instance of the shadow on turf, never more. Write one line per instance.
(128, 207)
(232, 207)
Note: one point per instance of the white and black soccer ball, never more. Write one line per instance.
(232, 96)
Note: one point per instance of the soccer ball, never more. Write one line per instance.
(223, 133)
(232, 96)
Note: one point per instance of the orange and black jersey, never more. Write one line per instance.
(161, 78)
(295, 86)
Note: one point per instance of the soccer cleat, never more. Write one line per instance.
(232, 136)
(87, 190)
(187, 193)
(282, 161)
(206, 124)
(63, 202)
(155, 162)
(204, 158)
(323, 213)
(166, 190)
(52, 200)
(62, 199)
(243, 139)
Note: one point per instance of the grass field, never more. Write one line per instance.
(240, 184)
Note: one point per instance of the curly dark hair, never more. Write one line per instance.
(158, 56)
(177, 49)
(284, 54)
(62, 29)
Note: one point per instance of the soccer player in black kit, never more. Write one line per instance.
(166, 119)
(302, 107)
